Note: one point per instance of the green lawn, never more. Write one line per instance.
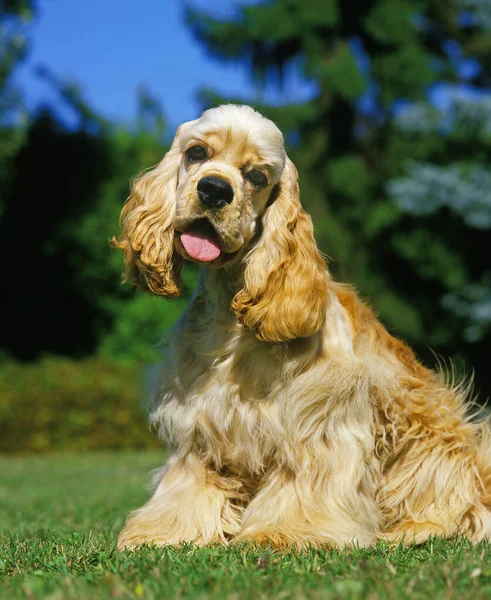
(59, 517)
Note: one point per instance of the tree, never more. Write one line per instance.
(64, 292)
(447, 183)
(61, 192)
(14, 17)
(361, 167)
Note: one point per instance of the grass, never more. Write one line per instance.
(59, 517)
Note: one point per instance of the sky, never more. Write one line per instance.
(112, 47)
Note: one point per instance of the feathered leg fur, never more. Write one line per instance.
(191, 504)
(437, 480)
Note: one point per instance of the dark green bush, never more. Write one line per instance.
(62, 404)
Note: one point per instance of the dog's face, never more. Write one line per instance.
(226, 176)
(230, 160)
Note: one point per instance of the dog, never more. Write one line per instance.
(293, 418)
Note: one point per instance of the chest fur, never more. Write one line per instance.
(234, 409)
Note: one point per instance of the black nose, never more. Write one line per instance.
(215, 192)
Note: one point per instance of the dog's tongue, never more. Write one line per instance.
(200, 247)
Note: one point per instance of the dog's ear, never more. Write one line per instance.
(147, 232)
(285, 286)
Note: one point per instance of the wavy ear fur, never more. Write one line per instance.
(147, 236)
(285, 293)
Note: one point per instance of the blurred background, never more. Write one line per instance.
(386, 108)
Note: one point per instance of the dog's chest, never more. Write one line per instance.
(231, 412)
(237, 410)
(238, 416)
(238, 434)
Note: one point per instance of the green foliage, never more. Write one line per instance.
(128, 322)
(350, 177)
(140, 321)
(404, 73)
(58, 178)
(61, 404)
(391, 21)
(14, 17)
(69, 233)
(60, 516)
(342, 75)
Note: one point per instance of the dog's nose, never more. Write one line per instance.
(215, 192)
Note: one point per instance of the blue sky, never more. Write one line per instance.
(111, 47)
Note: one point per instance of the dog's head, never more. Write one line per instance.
(226, 192)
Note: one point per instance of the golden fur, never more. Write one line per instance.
(292, 416)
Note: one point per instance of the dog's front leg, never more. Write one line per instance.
(191, 503)
(300, 510)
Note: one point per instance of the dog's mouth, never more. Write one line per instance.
(201, 241)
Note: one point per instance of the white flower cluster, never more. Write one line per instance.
(471, 115)
(419, 117)
(430, 187)
(480, 10)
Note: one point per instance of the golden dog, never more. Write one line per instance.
(292, 416)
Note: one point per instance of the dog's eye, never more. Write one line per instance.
(196, 153)
(257, 178)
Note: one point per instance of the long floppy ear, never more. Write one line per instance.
(147, 233)
(285, 293)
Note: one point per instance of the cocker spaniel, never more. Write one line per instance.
(292, 416)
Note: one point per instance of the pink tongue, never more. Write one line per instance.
(200, 247)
